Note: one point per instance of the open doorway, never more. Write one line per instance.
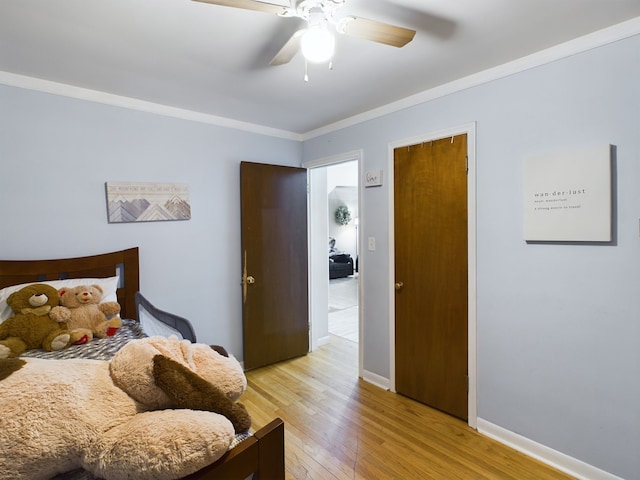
(320, 220)
(342, 221)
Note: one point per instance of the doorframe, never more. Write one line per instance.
(314, 274)
(470, 130)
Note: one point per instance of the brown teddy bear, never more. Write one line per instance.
(85, 316)
(31, 326)
(161, 409)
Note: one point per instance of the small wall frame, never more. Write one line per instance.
(147, 202)
(567, 196)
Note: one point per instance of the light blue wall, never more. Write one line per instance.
(558, 325)
(55, 155)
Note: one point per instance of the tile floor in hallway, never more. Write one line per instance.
(343, 307)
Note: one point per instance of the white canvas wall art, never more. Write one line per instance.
(567, 196)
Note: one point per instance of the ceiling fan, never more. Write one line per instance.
(317, 41)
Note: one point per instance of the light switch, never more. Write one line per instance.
(372, 244)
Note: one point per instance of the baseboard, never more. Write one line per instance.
(375, 379)
(562, 462)
(324, 340)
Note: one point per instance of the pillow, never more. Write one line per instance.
(109, 287)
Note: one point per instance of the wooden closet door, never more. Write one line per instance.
(430, 194)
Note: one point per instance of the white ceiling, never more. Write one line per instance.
(215, 60)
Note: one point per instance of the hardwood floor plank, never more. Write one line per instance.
(340, 427)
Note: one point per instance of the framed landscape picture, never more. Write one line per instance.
(147, 202)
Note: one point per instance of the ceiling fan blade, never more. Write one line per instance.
(375, 31)
(249, 5)
(288, 51)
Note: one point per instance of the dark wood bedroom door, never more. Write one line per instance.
(430, 197)
(275, 311)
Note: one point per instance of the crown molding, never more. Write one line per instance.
(593, 40)
(55, 88)
(587, 42)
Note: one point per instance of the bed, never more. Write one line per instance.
(260, 455)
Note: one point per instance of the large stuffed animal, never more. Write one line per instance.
(31, 327)
(160, 409)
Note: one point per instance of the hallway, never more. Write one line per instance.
(343, 307)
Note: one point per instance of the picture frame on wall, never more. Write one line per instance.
(147, 202)
(567, 196)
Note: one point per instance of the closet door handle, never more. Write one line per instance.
(398, 286)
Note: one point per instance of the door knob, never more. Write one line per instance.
(399, 285)
(246, 279)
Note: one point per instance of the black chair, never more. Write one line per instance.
(177, 323)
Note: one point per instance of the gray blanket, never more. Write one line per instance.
(98, 348)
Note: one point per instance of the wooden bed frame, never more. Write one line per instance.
(262, 454)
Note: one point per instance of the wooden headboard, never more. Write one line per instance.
(124, 263)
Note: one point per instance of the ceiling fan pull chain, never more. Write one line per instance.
(306, 75)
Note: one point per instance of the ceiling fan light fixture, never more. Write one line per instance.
(318, 44)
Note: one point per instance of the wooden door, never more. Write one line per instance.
(430, 195)
(275, 313)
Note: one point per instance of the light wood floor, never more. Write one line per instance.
(339, 427)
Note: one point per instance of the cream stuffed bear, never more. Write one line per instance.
(84, 315)
(146, 414)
